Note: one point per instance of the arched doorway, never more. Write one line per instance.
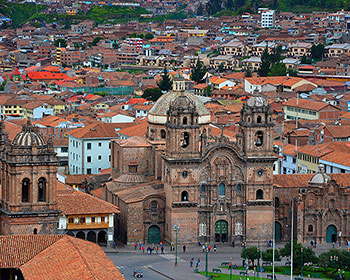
(221, 231)
(278, 232)
(101, 238)
(91, 236)
(70, 233)
(81, 235)
(331, 235)
(153, 234)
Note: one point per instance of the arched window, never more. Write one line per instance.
(163, 134)
(202, 188)
(277, 202)
(184, 121)
(310, 228)
(258, 119)
(259, 194)
(185, 141)
(239, 187)
(42, 189)
(184, 196)
(259, 138)
(154, 206)
(25, 190)
(35, 231)
(222, 189)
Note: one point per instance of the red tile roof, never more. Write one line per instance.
(306, 104)
(83, 203)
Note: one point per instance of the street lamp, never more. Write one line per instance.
(333, 260)
(302, 261)
(176, 228)
(257, 275)
(206, 261)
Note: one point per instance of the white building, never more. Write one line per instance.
(267, 19)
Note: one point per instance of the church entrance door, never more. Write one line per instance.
(331, 235)
(221, 231)
(153, 234)
(278, 231)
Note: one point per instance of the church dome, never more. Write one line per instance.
(158, 113)
(28, 137)
(320, 177)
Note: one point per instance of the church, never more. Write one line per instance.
(213, 189)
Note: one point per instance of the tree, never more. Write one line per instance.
(305, 60)
(149, 36)
(317, 51)
(248, 73)
(292, 72)
(221, 67)
(276, 55)
(115, 46)
(198, 72)
(200, 10)
(267, 255)
(96, 40)
(213, 7)
(250, 253)
(278, 69)
(207, 91)
(229, 5)
(61, 43)
(343, 262)
(265, 63)
(152, 94)
(308, 255)
(165, 83)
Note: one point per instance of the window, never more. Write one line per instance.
(99, 157)
(88, 146)
(109, 158)
(99, 144)
(163, 134)
(82, 220)
(222, 189)
(133, 169)
(258, 120)
(64, 149)
(184, 121)
(154, 206)
(310, 228)
(25, 190)
(184, 196)
(184, 174)
(88, 158)
(88, 170)
(92, 219)
(35, 231)
(239, 187)
(259, 138)
(109, 145)
(185, 141)
(259, 194)
(202, 188)
(70, 220)
(42, 189)
(277, 202)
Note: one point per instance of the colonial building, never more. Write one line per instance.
(215, 189)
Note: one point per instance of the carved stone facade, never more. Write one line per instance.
(215, 189)
(28, 184)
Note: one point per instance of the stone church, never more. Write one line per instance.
(216, 189)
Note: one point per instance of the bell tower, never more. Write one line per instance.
(28, 176)
(256, 138)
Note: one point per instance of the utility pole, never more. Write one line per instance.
(273, 241)
(176, 229)
(291, 243)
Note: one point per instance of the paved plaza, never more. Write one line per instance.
(162, 266)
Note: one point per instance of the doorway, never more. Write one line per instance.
(221, 231)
(331, 235)
(154, 234)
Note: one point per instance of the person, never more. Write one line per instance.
(162, 249)
(233, 243)
(114, 244)
(171, 247)
(203, 248)
(333, 243)
(135, 245)
(199, 243)
(198, 263)
(157, 250)
(143, 249)
(214, 248)
(191, 262)
(315, 243)
(140, 245)
(209, 248)
(184, 248)
(339, 234)
(311, 243)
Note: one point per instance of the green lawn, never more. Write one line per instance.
(222, 276)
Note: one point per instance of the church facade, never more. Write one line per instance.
(215, 189)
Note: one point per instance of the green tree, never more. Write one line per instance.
(213, 7)
(305, 60)
(165, 83)
(307, 256)
(265, 63)
(229, 5)
(198, 72)
(275, 56)
(267, 255)
(207, 91)
(200, 10)
(61, 43)
(292, 72)
(317, 51)
(278, 69)
(149, 36)
(115, 46)
(343, 262)
(221, 67)
(152, 94)
(96, 40)
(251, 253)
(141, 36)
(248, 73)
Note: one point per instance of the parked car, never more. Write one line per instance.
(138, 273)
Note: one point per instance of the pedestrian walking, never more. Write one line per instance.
(162, 249)
(135, 245)
(203, 248)
(191, 262)
(339, 234)
(209, 248)
(157, 250)
(198, 263)
(233, 243)
(184, 248)
(143, 249)
(114, 244)
(214, 248)
(140, 245)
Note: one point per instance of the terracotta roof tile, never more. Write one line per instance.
(306, 104)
